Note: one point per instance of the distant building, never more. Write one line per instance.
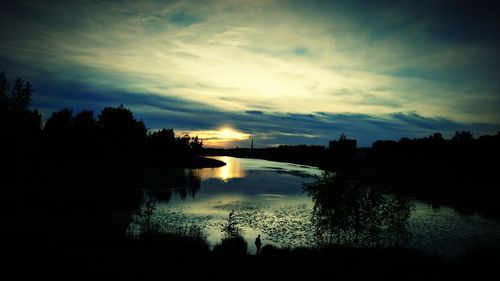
(343, 145)
(343, 148)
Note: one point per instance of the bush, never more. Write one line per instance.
(234, 245)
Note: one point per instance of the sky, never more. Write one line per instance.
(275, 71)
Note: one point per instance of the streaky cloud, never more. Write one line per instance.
(282, 71)
(267, 128)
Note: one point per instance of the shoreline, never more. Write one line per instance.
(305, 163)
(195, 162)
(205, 162)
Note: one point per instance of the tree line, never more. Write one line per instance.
(78, 172)
(115, 140)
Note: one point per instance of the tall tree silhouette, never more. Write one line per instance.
(4, 89)
(167, 149)
(57, 134)
(85, 136)
(19, 127)
(122, 141)
(161, 144)
(21, 95)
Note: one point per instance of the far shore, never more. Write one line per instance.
(205, 162)
(195, 162)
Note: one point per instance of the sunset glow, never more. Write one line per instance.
(223, 137)
(280, 71)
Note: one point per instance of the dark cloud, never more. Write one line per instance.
(453, 20)
(465, 21)
(413, 119)
(256, 112)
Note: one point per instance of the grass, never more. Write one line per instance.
(184, 253)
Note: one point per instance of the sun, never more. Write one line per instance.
(223, 137)
(227, 133)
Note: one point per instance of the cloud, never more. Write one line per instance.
(300, 51)
(266, 128)
(373, 70)
(183, 19)
(255, 112)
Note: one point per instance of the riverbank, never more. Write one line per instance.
(193, 162)
(204, 162)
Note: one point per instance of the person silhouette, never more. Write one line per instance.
(258, 243)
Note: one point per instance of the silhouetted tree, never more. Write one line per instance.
(166, 148)
(57, 137)
(231, 228)
(84, 123)
(19, 128)
(330, 209)
(145, 214)
(4, 89)
(182, 145)
(122, 143)
(349, 211)
(85, 135)
(437, 137)
(232, 242)
(122, 134)
(21, 95)
(196, 145)
(161, 144)
(59, 123)
(462, 136)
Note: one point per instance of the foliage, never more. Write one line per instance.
(235, 245)
(121, 134)
(145, 214)
(347, 211)
(19, 98)
(19, 129)
(232, 242)
(166, 147)
(230, 228)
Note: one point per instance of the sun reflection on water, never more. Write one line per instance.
(269, 201)
(231, 170)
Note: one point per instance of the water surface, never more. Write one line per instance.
(269, 199)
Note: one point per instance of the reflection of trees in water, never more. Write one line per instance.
(346, 211)
(149, 219)
(184, 182)
(192, 184)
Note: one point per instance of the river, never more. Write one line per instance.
(269, 200)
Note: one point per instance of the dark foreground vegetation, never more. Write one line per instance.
(172, 257)
(74, 183)
(71, 189)
(169, 252)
